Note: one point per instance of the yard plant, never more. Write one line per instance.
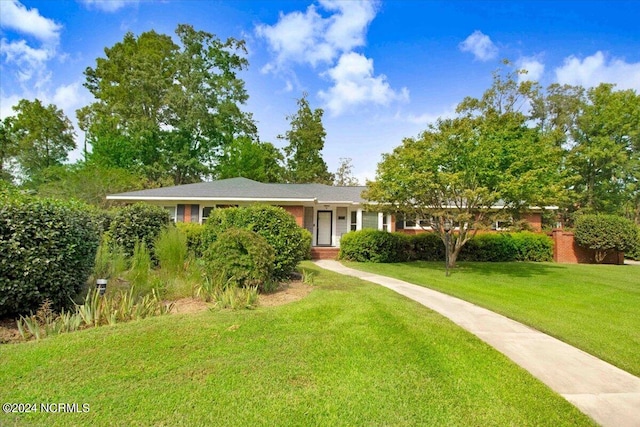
(350, 353)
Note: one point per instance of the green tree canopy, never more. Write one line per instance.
(306, 141)
(259, 161)
(42, 137)
(454, 175)
(168, 110)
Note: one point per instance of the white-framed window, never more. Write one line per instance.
(206, 212)
(353, 224)
(172, 212)
(370, 220)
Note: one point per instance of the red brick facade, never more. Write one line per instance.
(297, 212)
(566, 250)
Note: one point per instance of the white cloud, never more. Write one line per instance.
(534, 68)
(108, 5)
(355, 84)
(17, 17)
(427, 118)
(596, 69)
(480, 45)
(307, 37)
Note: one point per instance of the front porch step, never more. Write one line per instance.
(324, 253)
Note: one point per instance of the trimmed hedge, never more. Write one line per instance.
(241, 258)
(291, 242)
(380, 246)
(138, 222)
(605, 234)
(47, 252)
(374, 246)
(194, 233)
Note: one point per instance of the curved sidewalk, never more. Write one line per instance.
(607, 394)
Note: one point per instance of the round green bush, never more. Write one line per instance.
(291, 242)
(241, 258)
(47, 252)
(374, 246)
(605, 234)
(139, 222)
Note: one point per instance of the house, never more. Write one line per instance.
(328, 212)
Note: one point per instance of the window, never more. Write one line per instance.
(385, 225)
(206, 212)
(354, 221)
(172, 212)
(180, 213)
(370, 220)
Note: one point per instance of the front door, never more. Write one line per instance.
(325, 221)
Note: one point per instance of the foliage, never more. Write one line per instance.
(96, 311)
(279, 228)
(344, 175)
(532, 246)
(259, 161)
(47, 251)
(240, 258)
(166, 109)
(139, 222)
(43, 136)
(426, 247)
(8, 150)
(490, 247)
(139, 272)
(306, 141)
(171, 249)
(458, 169)
(193, 232)
(605, 234)
(110, 260)
(329, 359)
(374, 246)
(236, 298)
(89, 182)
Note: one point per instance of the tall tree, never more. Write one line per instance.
(8, 149)
(605, 155)
(344, 175)
(165, 109)
(458, 170)
(44, 136)
(259, 161)
(306, 141)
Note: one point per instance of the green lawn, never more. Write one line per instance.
(593, 307)
(350, 353)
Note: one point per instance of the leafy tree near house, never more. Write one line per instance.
(605, 234)
(459, 168)
(40, 137)
(8, 149)
(306, 140)
(165, 109)
(259, 161)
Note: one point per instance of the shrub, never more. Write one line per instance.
(240, 258)
(194, 233)
(489, 247)
(427, 247)
(374, 246)
(171, 249)
(533, 247)
(291, 243)
(47, 251)
(605, 234)
(138, 222)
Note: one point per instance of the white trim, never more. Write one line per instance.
(206, 199)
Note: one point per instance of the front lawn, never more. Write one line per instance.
(350, 353)
(593, 307)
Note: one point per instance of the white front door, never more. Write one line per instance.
(325, 220)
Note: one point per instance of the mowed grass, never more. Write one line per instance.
(593, 307)
(350, 353)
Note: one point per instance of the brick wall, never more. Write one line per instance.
(566, 250)
(297, 212)
(535, 220)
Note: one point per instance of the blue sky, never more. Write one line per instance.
(381, 70)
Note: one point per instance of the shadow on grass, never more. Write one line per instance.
(513, 269)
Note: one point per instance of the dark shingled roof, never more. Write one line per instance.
(246, 189)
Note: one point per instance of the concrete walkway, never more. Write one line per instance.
(607, 394)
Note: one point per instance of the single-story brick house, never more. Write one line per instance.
(326, 211)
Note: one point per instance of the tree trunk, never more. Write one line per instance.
(601, 255)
